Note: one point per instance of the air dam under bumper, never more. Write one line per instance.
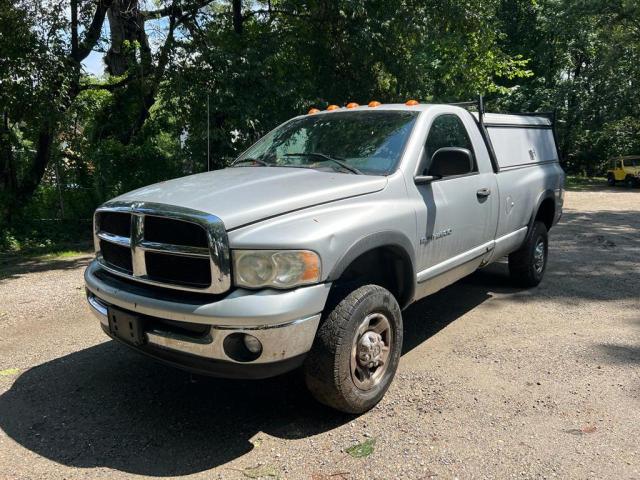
(285, 323)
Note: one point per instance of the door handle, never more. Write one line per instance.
(483, 192)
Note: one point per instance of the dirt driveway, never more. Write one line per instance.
(495, 382)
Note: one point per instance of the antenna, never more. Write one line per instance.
(208, 134)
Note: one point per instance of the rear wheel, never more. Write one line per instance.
(528, 263)
(629, 182)
(356, 351)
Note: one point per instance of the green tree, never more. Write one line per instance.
(584, 57)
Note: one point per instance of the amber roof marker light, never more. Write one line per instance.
(333, 107)
(312, 111)
(352, 105)
(411, 103)
(374, 104)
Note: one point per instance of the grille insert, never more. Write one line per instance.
(180, 270)
(116, 223)
(117, 256)
(174, 232)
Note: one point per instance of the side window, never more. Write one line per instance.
(446, 131)
(619, 164)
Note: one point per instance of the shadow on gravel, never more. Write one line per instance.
(621, 354)
(108, 406)
(17, 266)
(594, 256)
(427, 317)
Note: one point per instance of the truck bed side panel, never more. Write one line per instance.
(521, 191)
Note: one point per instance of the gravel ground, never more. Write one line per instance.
(495, 382)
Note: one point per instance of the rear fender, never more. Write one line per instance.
(546, 194)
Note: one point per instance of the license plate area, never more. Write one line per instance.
(126, 326)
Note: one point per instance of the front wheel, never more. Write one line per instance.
(528, 263)
(356, 351)
(611, 181)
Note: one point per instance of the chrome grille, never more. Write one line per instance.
(163, 245)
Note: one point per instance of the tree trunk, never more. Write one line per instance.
(152, 84)
(126, 25)
(237, 16)
(15, 194)
(8, 180)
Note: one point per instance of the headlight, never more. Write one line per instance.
(275, 268)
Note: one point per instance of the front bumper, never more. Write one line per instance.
(285, 323)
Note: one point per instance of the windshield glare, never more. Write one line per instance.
(364, 142)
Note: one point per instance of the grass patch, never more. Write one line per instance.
(65, 254)
(363, 449)
(51, 252)
(580, 183)
(260, 471)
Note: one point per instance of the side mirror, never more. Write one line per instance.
(450, 161)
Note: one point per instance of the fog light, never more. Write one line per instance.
(252, 344)
(242, 347)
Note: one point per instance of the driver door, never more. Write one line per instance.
(458, 223)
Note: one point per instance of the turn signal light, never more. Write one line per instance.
(312, 111)
(352, 105)
(412, 103)
(333, 107)
(374, 104)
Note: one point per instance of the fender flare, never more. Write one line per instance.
(544, 195)
(390, 238)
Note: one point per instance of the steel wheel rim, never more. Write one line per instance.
(371, 351)
(539, 256)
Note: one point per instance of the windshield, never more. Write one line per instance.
(632, 162)
(350, 142)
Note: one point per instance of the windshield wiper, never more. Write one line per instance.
(253, 160)
(326, 158)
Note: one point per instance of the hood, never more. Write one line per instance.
(244, 195)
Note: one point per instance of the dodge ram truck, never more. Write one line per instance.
(305, 251)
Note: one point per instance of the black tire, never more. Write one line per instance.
(611, 180)
(328, 366)
(524, 264)
(629, 182)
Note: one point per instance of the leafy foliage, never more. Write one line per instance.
(585, 61)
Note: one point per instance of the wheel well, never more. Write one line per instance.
(387, 266)
(546, 212)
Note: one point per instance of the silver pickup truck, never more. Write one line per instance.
(306, 250)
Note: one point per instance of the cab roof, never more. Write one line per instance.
(489, 118)
(421, 107)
